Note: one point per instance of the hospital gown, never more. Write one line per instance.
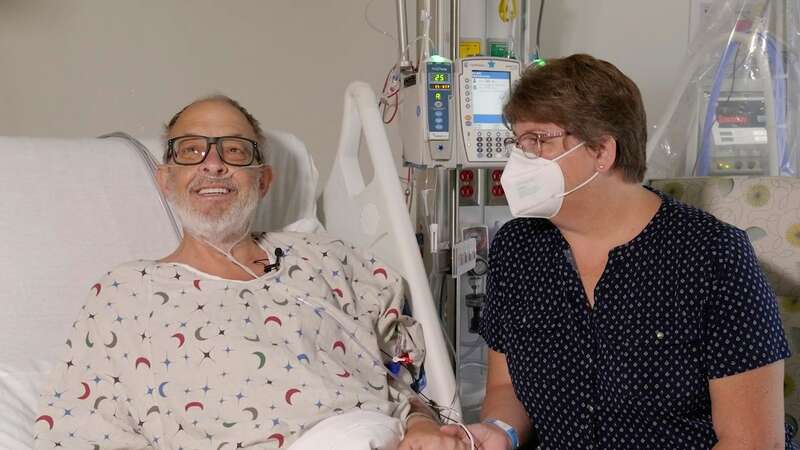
(165, 356)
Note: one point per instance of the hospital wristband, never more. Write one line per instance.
(510, 432)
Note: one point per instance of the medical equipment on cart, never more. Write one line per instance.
(453, 134)
(735, 105)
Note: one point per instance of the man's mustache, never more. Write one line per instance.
(205, 181)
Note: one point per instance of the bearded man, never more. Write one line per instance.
(238, 340)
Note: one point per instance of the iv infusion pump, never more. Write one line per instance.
(452, 113)
(425, 118)
(483, 87)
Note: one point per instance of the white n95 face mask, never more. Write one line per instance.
(534, 187)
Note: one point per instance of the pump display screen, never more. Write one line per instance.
(489, 90)
(439, 77)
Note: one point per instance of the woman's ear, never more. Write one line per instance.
(606, 154)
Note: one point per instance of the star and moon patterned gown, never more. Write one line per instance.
(163, 356)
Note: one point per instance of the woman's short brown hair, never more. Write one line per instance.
(590, 98)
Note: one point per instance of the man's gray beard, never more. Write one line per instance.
(224, 231)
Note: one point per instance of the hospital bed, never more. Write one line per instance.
(74, 208)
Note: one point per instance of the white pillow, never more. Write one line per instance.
(74, 208)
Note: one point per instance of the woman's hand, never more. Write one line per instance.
(426, 434)
(487, 436)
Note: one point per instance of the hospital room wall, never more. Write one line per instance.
(78, 68)
(84, 67)
(646, 39)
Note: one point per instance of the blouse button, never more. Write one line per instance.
(659, 335)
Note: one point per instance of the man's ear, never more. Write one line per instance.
(606, 154)
(266, 180)
(162, 178)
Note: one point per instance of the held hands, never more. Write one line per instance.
(487, 436)
(426, 434)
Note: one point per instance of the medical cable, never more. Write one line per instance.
(151, 164)
(371, 25)
(377, 361)
(394, 75)
(733, 73)
(469, 435)
(429, 45)
(778, 93)
(228, 175)
(778, 73)
(775, 60)
(409, 188)
(774, 63)
(442, 297)
(351, 334)
(425, 17)
(230, 257)
(511, 40)
(274, 266)
(245, 234)
(393, 90)
(405, 183)
(539, 29)
(704, 161)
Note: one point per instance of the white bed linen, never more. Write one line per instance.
(355, 430)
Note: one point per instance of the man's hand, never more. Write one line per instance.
(487, 436)
(425, 434)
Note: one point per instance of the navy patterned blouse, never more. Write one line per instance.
(683, 302)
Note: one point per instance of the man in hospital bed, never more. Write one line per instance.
(237, 340)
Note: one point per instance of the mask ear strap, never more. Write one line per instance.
(577, 146)
(580, 185)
